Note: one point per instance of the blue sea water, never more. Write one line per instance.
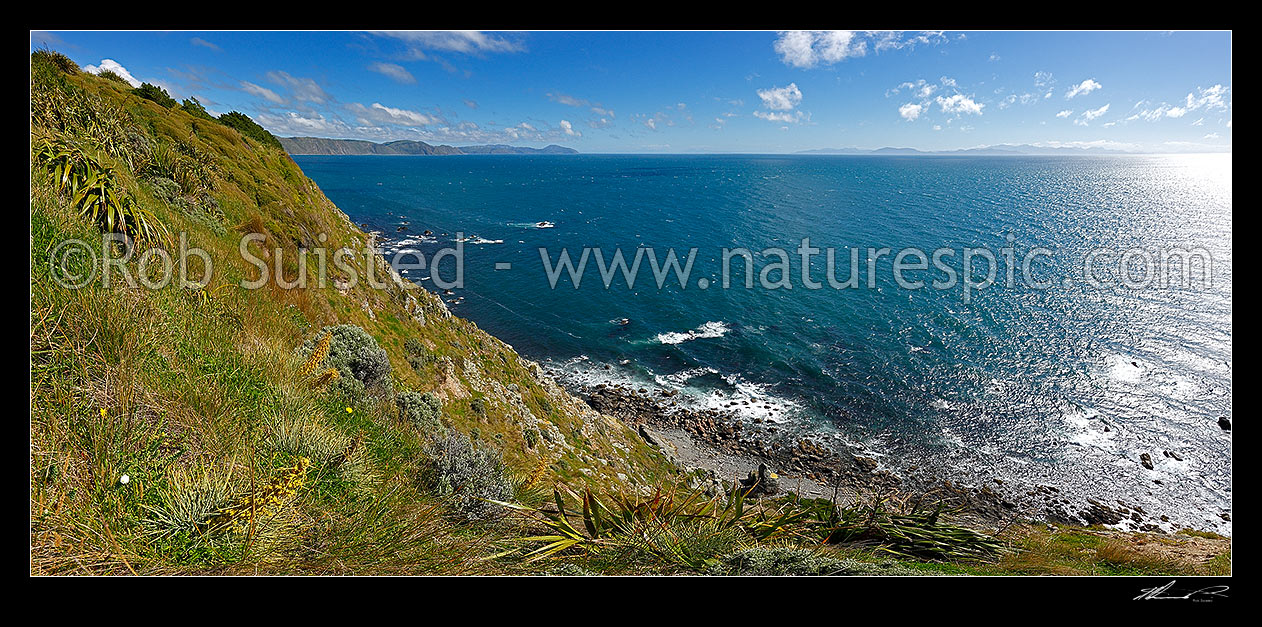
(1065, 385)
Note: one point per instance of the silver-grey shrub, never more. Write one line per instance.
(469, 473)
(422, 411)
(362, 364)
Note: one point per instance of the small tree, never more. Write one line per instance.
(149, 91)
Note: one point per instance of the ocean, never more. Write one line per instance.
(1090, 349)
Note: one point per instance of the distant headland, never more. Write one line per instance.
(323, 146)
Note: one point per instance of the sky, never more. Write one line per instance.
(697, 92)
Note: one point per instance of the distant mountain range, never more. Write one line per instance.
(1000, 149)
(322, 146)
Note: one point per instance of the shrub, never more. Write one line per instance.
(94, 191)
(244, 125)
(469, 473)
(422, 411)
(55, 59)
(149, 91)
(779, 561)
(361, 364)
(193, 107)
(418, 355)
(110, 75)
(478, 406)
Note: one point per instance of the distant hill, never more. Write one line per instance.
(1000, 149)
(323, 146)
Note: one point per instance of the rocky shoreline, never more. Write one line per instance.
(717, 446)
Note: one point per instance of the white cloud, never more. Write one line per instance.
(805, 48)
(811, 48)
(1083, 88)
(302, 89)
(198, 41)
(1091, 114)
(568, 129)
(262, 92)
(110, 65)
(781, 101)
(1011, 99)
(780, 116)
(292, 123)
(396, 72)
(461, 41)
(910, 111)
(603, 115)
(1211, 98)
(1044, 82)
(959, 104)
(381, 114)
(1065, 113)
(923, 88)
(781, 98)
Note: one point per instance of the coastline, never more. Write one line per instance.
(715, 445)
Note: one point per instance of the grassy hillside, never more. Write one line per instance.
(190, 391)
(348, 429)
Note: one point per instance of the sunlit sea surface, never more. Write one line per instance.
(1065, 386)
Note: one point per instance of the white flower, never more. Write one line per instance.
(124, 479)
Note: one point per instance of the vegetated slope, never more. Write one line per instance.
(161, 416)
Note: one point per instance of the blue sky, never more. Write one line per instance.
(763, 92)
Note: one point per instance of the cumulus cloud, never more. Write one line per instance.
(1083, 88)
(910, 111)
(110, 65)
(781, 98)
(1065, 113)
(959, 104)
(781, 102)
(397, 73)
(811, 48)
(568, 129)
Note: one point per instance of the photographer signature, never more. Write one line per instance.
(1204, 594)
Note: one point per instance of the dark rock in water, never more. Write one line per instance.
(401, 229)
(1146, 460)
(427, 232)
(1224, 423)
